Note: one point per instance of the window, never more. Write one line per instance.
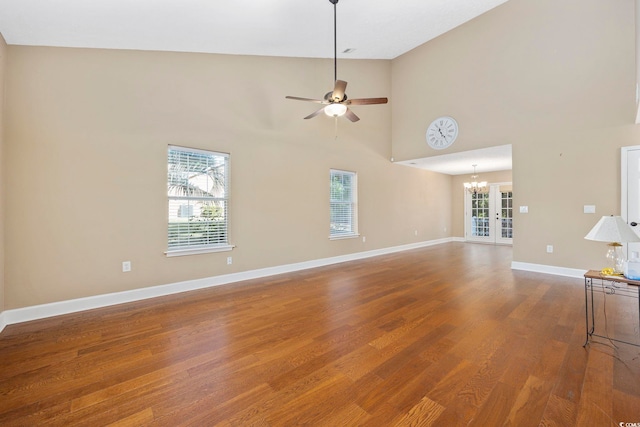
(198, 193)
(343, 204)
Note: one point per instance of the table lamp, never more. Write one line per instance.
(615, 231)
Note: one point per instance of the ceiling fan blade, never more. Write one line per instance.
(297, 98)
(315, 113)
(351, 116)
(367, 101)
(338, 90)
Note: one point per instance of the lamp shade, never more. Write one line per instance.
(612, 229)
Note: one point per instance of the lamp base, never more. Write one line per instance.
(616, 258)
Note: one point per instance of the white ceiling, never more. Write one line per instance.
(375, 29)
(487, 160)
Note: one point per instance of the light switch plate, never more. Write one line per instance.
(524, 209)
(590, 209)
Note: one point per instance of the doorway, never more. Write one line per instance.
(630, 192)
(489, 215)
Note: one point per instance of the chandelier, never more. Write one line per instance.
(474, 187)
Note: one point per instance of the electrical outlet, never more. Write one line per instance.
(229, 260)
(126, 266)
(549, 249)
(415, 232)
(364, 239)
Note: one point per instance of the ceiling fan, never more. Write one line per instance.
(336, 102)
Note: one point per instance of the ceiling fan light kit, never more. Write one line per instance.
(336, 102)
(335, 110)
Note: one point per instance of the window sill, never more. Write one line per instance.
(344, 236)
(197, 251)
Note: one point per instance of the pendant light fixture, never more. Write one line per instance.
(474, 187)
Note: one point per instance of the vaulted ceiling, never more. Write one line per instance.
(372, 29)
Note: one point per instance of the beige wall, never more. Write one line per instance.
(3, 62)
(556, 79)
(459, 192)
(86, 142)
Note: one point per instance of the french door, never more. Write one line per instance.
(489, 215)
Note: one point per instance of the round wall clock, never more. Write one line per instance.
(442, 132)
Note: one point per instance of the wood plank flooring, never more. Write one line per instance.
(446, 335)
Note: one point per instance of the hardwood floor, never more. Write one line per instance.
(446, 335)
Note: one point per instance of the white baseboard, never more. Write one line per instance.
(3, 321)
(42, 311)
(548, 269)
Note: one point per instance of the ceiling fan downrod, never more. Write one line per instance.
(335, 39)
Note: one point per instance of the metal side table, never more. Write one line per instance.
(609, 285)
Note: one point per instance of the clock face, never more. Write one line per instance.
(442, 132)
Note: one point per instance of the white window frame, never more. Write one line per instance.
(177, 200)
(351, 205)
